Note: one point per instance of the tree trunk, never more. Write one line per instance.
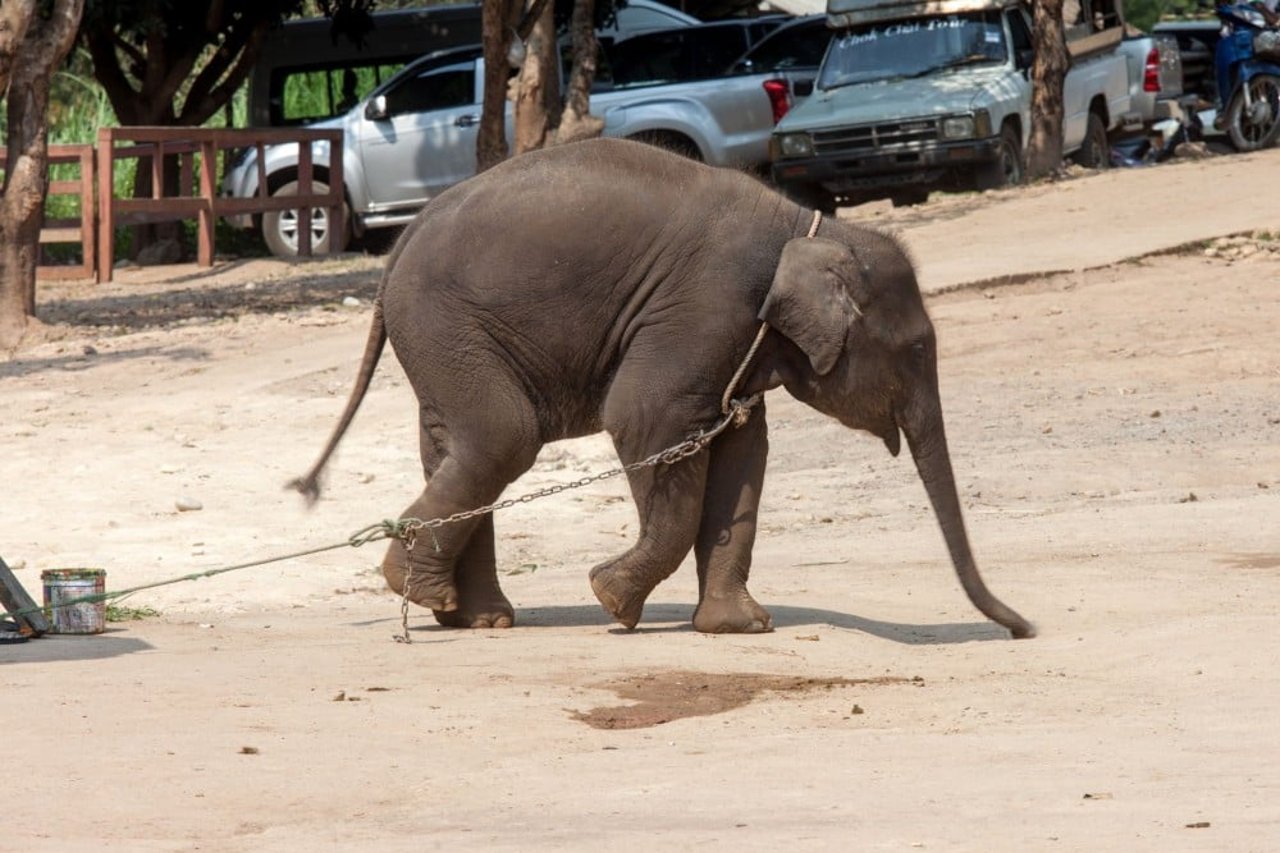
(1048, 71)
(41, 50)
(577, 122)
(538, 94)
(498, 19)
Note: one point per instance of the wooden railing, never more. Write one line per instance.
(67, 229)
(196, 195)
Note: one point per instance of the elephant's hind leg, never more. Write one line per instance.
(668, 499)
(481, 603)
(451, 568)
(728, 531)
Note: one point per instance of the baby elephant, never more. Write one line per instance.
(609, 285)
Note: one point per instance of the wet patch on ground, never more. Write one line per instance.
(663, 696)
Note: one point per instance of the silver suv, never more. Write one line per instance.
(415, 136)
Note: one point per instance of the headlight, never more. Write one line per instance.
(795, 145)
(957, 127)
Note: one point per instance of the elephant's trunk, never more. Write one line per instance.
(926, 436)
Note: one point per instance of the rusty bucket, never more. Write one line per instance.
(64, 585)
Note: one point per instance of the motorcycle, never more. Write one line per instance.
(1247, 67)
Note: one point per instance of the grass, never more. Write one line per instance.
(122, 613)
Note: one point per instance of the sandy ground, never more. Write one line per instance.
(1116, 434)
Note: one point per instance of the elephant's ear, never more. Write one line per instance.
(809, 299)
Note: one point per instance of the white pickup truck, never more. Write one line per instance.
(916, 95)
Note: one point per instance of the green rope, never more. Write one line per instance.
(389, 529)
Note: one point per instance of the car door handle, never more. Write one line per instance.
(468, 120)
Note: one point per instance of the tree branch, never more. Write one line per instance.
(211, 88)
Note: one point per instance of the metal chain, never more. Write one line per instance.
(694, 444)
(409, 538)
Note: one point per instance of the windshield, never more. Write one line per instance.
(887, 51)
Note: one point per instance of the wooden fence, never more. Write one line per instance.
(67, 229)
(196, 196)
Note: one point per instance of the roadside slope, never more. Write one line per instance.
(1088, 222)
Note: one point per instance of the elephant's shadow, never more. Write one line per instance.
(662, 617)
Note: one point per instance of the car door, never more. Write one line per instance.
(424, 140)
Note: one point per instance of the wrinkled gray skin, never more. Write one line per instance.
(609, 285)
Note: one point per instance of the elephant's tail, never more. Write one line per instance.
(309, 485)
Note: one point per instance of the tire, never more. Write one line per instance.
(1095, 151)
(1258, 128)
(280, 227)
(1007, 169)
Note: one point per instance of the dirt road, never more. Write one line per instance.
(1116, 435)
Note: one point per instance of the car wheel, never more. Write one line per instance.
(1256, 127)
(1006, 169)
(1095, 151)
(280, 227)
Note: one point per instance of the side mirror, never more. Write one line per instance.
(376, 109)
(802, 88)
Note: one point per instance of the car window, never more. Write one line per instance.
(876, 51)
(311, 95)
(800, 46)
(437, 89)
(1021, 35)
(675, 56)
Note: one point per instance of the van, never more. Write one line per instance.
(304, 74)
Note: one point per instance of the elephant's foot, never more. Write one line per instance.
(619, 593)
(433, 590)
(495, 612)
(737, 613)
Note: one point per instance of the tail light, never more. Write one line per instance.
(779, 97)
(1151, 71)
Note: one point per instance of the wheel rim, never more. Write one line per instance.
(1257, 122)
(288, 227)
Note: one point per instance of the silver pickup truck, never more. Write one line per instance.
(415, 136)
(917, 95)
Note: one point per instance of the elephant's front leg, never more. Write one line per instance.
(669, 501)
(728, 531)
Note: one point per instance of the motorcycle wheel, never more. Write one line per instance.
(1257, 127)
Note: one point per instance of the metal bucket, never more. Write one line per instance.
(61, 585)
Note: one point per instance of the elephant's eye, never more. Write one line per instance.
(918, 350)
